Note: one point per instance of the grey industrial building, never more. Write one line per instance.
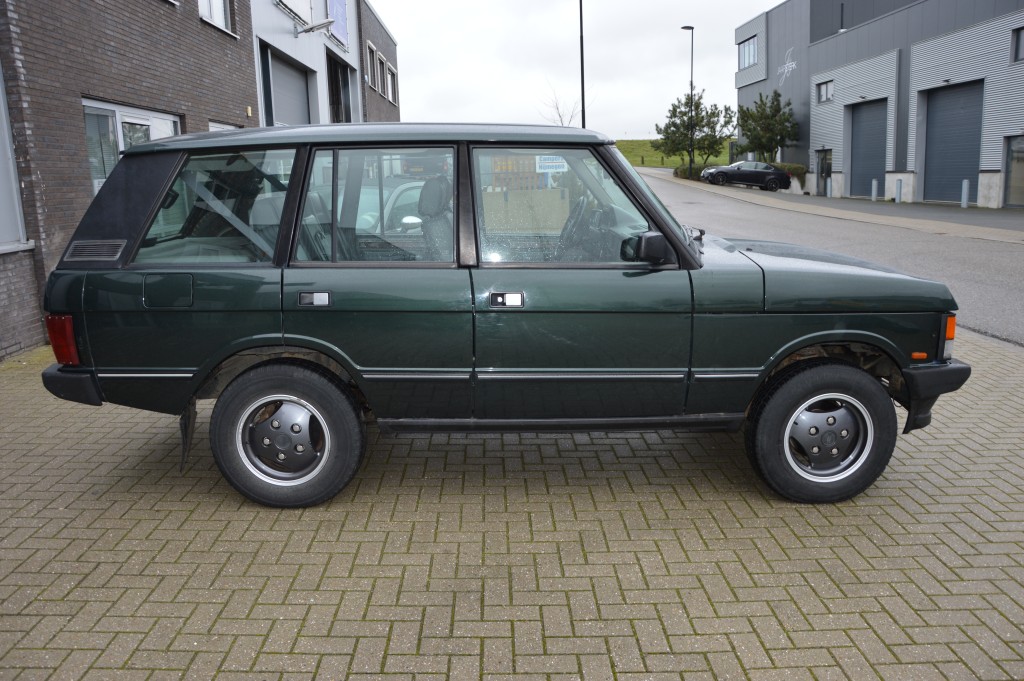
(906, 98)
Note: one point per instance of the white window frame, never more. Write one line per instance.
(130, 114)
(12, 228)
(300, 8)
(371, 65)
(206, 12)
(382, 75)
(392, 85)
(748, 53)
(826, 91)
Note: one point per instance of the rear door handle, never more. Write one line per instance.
(508, 299)
(314, 298)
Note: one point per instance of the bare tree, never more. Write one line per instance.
(559, 112)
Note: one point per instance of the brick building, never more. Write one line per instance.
(379, 68)
(85, 80)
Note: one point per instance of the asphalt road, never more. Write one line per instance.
(984, 272)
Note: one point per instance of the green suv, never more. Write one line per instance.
(472, 277)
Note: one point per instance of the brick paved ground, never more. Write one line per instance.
(629, 556)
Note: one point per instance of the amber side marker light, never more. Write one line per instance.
(61, 329)
(919, 355)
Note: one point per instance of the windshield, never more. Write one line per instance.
(683, 234)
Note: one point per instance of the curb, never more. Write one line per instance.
(955, 229)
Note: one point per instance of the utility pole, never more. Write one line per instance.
(583, 96)
(689, 175)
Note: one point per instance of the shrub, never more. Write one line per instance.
(683, 169)
(797, 170)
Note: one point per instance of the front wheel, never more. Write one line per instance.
(719, 179)
(286, 435)
(822, 433)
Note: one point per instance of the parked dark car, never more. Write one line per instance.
(753, 173)
(524, 278)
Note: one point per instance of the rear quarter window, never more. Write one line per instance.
(221, 208)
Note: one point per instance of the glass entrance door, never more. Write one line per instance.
(1015, 171)
(824, 171)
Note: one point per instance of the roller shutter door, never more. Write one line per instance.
(867, 155)
(953, 141)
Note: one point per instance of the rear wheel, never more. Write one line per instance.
(822, 433)
(772, 184)
(286, 435)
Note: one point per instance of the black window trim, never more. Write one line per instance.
(275, 260)
(294, 217)
(621, 179)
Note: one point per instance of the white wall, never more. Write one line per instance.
(274, 24)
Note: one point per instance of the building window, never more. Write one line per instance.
(392, 86)
(748, 52)
(825, 91)
(1018, 45)
(382, 74)
(111, 129)
(217, 12)
(300, 8)
(371, 65)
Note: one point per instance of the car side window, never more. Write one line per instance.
(378, 205)
(221, 208)
(551, 206)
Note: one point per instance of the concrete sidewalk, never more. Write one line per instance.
(646, 556)
(973, 223)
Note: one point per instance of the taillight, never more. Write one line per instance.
(61, 329)
(947, 348)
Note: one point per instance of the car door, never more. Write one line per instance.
(200, 285)
(389, 304)
(566, 328)
(746, 173)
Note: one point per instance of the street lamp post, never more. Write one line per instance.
(583, 96)
(690, 29)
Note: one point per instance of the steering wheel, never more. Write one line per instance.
(571, 230)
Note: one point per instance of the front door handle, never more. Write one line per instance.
(508, 299)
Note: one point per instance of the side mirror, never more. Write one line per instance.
(410, 222)
(650, 247)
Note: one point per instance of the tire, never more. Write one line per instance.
(286, 435)
(772, 185)
(719, 179)
(839, 409)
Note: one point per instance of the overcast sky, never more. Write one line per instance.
(507, 60)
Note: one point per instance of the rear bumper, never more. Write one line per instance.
(926, 383)
(74, 385)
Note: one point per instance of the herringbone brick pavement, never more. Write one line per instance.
(628, 555)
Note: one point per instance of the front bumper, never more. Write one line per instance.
(72, 385)
(926, 383)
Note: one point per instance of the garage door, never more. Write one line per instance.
(953, 142)
(867, 155)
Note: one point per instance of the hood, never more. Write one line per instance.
(801, 279)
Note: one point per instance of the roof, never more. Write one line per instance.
(342, 133)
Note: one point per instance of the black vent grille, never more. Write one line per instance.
(109, 249)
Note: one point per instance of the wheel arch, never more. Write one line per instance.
(231, 367)
(874, 355)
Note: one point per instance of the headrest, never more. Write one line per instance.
(435, 196)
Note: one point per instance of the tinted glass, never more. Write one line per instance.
(373, 205)
(551, 206)
(222, 208)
